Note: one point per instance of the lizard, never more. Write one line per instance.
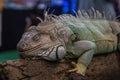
(67, 36)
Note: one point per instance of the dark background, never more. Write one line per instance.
(13, 21)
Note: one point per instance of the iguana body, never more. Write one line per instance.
(73, 37)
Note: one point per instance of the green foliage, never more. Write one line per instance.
(8, 55)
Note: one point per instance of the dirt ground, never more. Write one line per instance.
(103, 67)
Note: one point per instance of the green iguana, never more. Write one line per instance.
(67, 36)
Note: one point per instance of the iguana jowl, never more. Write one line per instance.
(68, 36)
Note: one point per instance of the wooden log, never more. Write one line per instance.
(103, 67)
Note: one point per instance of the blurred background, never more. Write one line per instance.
(17, 15)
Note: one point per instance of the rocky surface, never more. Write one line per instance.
(103, 67)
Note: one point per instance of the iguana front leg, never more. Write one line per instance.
(84, 50)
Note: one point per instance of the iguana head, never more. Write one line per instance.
(46, 40)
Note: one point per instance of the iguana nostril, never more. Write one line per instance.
(22, 46)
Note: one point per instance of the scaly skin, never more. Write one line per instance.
(64, 36)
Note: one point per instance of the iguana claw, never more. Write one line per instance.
(74, 69)
(79, 68)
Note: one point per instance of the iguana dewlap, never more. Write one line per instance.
(81, 37)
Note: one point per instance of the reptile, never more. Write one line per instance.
(67, 36)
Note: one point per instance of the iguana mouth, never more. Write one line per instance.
(36, 49)
(30, 49)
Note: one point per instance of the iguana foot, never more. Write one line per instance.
(76, 76)
(74, 69)
(79, 68)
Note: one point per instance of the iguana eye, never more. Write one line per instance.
(36, 37)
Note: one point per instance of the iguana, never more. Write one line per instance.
(67, 36)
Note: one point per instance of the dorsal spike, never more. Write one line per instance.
(76, 14)
(104, 16)
(90, 13)
(52, 11)
(40, 19)
(94, 13)
(80, 14)
(99, 15)
(86, 15)
(45, 16)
